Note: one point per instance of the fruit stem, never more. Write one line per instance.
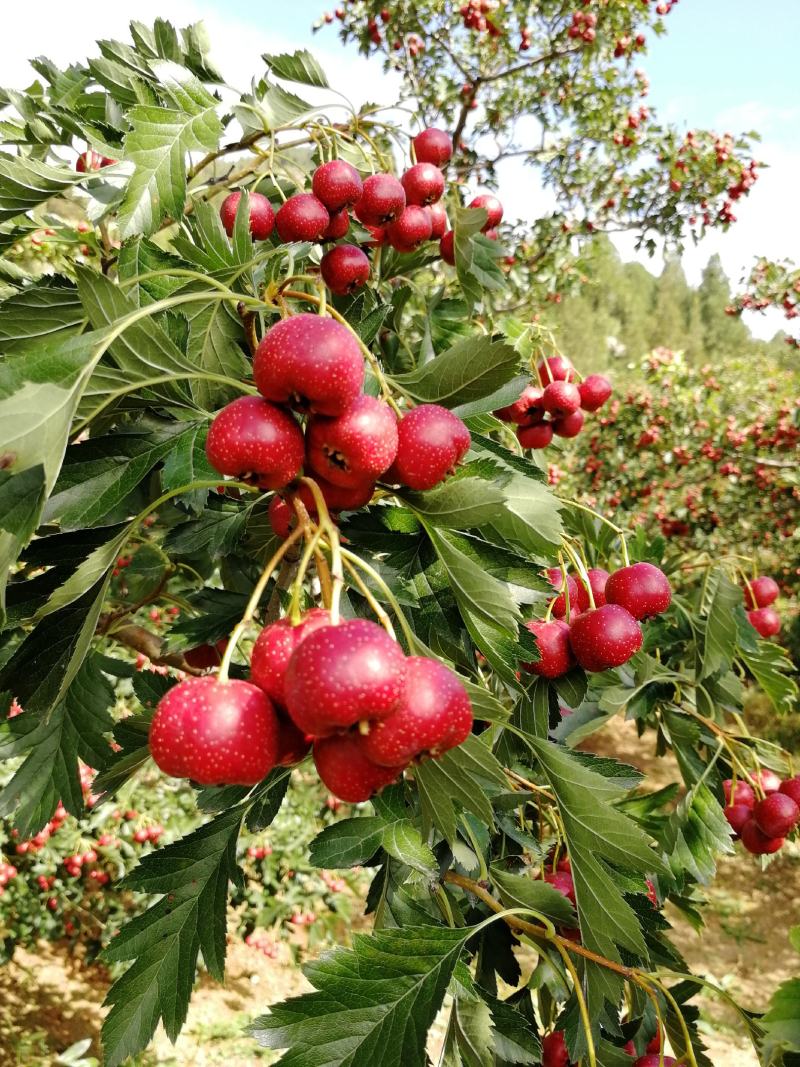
(565, 586)
(476, 848)
(580, 567)
(358, 562)
(254, 601)
(688, 1050)
(584, 1011)
(524, 781)
(328, 528)
(312, 544)
(368, 595)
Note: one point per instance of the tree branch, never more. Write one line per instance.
(150, 645)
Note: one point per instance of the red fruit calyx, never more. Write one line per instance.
(312, 362)
(340, 675)
(642, 589)
(431, 442)
(358, 446)
(255, 441)
(262, 217)
(215, 732)
(433, 716)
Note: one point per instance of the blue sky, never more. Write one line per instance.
(725, 64)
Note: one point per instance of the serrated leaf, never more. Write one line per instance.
(21, 499)
(458, 503)
(773, 670)
(696, 833)
(529, 517)
(187, 462)
(39, 311)
(475, 367)
(456, 779)
(473, 588)
(26, 182)
(721, 628)
(299, 66)
(523, 891)
(372, 1004)
(347, 843)
(165, 941)
(214, 336)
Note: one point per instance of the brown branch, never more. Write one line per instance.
(150, 645)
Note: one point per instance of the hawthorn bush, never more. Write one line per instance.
(279, 476)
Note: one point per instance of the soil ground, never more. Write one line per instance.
(49, 1001)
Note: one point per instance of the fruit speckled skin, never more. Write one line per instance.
(262, 217)
(344, 269)
(597, 580)
(642, 589)
(283, 518)
(578, 597)
(560, 368)
(274, 647)
(737, 815)
(382, 200)
(493, 208)
(741, 793)
(312, 362)
(433, 146)
(594, 390)
(447, 249)
(355, 447)
(761, 592)
(254, 440)
(337, 185)
(527, 409)
(606, 637)
(347, 772)
(410, 229)
(757, 842)
(766, 621)
(433, 716)
(791, 788)
(338, 226)
(431, 442)
(555, 651)
(423, 184)
(538, 436)
(561, 398)
(215, 733)
(569, 425)
(302, 218)
(776, 815)
(293, 744)
(554, 1050)
(341, 674)
(562, 881)
(438, 217)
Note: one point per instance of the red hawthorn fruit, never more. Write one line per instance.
(537, 436)
(554, 1050)
(312, 362)
(561, 370)
(342, 674)
(594, 390)
(438, 217)
(262, 217)
(756, 842)
(338, 226)
(281, 517)
(761, 592)
(344, 268)
(606, 637)
(346, 771)
(382, 200)
(741, 793)
(562, 881)
(447, 248)
(597, 580)
(433, 716)
(776, 815)
(293, 744)
(302, 218)
(768, 780)
(573, 592)
(274, 647)
(791, 788)
(642, 589)
(493, 208)
(528, 409)
(737, 815)
(204, 657)
(555, 651)
(561, 398)
(569, 425)
(253, 440)
(281, 514)
(423, 184)
(337, 185)
(431, 443)
(214, 732)
(410, 229)
(766, 621)
(356, 447)
(88, 161)
(432, 146)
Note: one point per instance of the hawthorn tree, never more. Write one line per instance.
(159, 395)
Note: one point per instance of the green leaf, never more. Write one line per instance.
(529, 517)
(214, 347)
(348, 843)
(157, 144)
(187, 462)
(39, 311)
(475, 367)
(21, 499)
(697, 832)
(515, 1037)
(214, 531)
(458, 503)
(773, 670)
(299, 66)
(372, 1004)
(458, 779)
(26, 182)
(473, 588)
(521, 891)
(165, 941)
(94, 569)
(782, 1020)
(721, 628)
(403, 840)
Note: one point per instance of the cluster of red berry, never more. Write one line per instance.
(555, 1054)
(475, 15)
(7, 872)
(559, 396)
(583, 26)
(349, 690)
(759, 596)
(762, 824)
(314, 364)
(606, 635)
